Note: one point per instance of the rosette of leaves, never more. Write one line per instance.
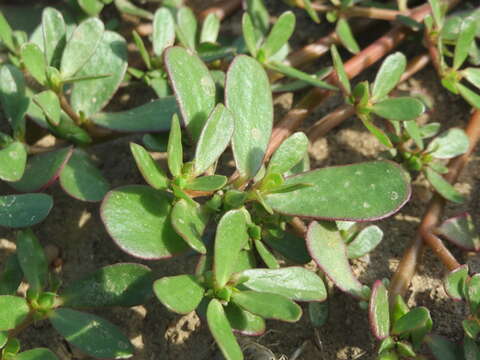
(121, 284)
(400, 329)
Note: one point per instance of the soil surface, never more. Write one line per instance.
(76, 229)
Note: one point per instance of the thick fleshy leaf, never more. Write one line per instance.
(10, 276)
(34, 60)
(155, 116)
(137, 39)
(399, 108)
(266, 255)
(150, 170)
(318, 313)
(415, 133)
(465, 38)
(81, 46)
(290, 246)
(249, 36)
(163, 30)
(189, 221)
(6, 33)
(243, 321)
(376, 131)
(110, 57)
(279, 35)
(81, 179)
(114, 285)
(259, 14)
(455, 283)
(54, 35)
(210, 28)
(42, 170)
(345, 34)
(443, 187)
(12, 96)
(18, 211)
(415, 319)
(230, 238)
(13, 310)
(473, 291)
(364, 242)
(181, 293)
(32, 260)
(91, 7)
(252, 111)
(470, 96)
(295, 283)
(461, 231)
(13, 159)
(365, 191)
(138, 219)
(327, 248)
(214, 138)
(222, 331)
(300, 75)
(36, 354)
(187, 27)
(268, 305)
(207, 183)
(442, 348)
(473, 76)
(193, 86)
(449, 144)
(174, 148)
(91, 334)
(379, 312)
(340, 70)
(388, 75)
(50, 104)
(289, 153)
(127, 7)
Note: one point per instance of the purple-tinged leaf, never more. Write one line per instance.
(455, 283)
(379, 312)
(244, 322)
(460, 230)
(189, 221)
(17, 211)
(364, 242)
(473, 292)
(181, 293)
(13, 159)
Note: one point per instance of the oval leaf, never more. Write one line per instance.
(281, 31)
(36, 354)
(379, 312)
(443, 187)
(399, 108)
(449, 144)
(34, 60)
(413, 320)
(54, 35)
(243, 321)
(455, 283)
(345, 34)
(181, 293)
(364, 242)
(289, 154)
(461, 231)
(138, 219)
(371, 190)
(32, 260)
(18, 211)
(388, 75)
(207, 183)
(189, 221)
(151, 171)
(12, 96)
(163, 30)
(175, 149)
(10, 277)
(13, 159)
(13, 310)
(465, 39)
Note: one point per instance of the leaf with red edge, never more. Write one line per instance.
(460, 230)
(379, 312)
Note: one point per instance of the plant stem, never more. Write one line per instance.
(406, 268)
(362, 11)
(69, 110)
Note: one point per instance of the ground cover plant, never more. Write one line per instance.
(223, 183)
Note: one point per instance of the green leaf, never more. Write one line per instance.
(442, 348)
(364, 242)
(268, 305)
(18, 211)
(449, 144)
(376, 131)
(299, 84)
(340, 70)
(189, 221)
(6, 33)
(230, 238)
(470, 349)
(153, 116)
(252, 111)
(91, 7)
(54, 35)
(193, 86)
(429, 130)
(289, 153)
(318, 313)
(12, 97)
(379, 312)
(34, 60)
(327, 247)
(443, 187)
(460, 230)
(81, 179)
(91, 334)
(210, 28)
(13, 159)
(243, 321)
(114, 285)
(207, 183)
(181, 294)
(388, 75)
(267, 257)
(36, 354)
(455, 283)
(110, 57)
(187, 27)
(50, 104)
(13, 310)
(32, 260)
(125, 6)
(42, 170)
(290, 246)
(415, 133)
(214, 138)
(473, 76)
(175, 150)
(345, 34)
(437, 12)
(163, 30)
(222, 331)
(399, 108)
(249, 36)
(11, 276)
(138, 219)
(300, 75)
(311, 11)
(470, 96)
(81, 46)
(259, 14)
(281, 31)
(370, 190)
(471, 327)
(415, 319)
(295, 283)
(142, 49)
(473, 292)
(150, 170)
(465, 39)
